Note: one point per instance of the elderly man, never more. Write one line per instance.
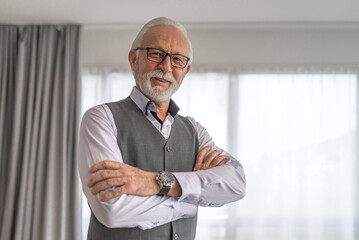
(144, 168)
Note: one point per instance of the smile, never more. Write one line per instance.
(161, 80)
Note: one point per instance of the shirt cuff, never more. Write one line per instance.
(190, 184)
(184, 210)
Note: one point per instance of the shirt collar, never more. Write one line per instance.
(144, 103)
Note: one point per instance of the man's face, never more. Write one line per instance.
(158, 81)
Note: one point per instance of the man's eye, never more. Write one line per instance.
(156, 54)
(178, 60)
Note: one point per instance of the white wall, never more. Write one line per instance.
(237, 45)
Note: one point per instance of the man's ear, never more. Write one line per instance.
(132, 58)
(188, 68)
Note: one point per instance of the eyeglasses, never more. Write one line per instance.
(158, 56)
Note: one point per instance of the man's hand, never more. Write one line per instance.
(125, 178)
(206, 161)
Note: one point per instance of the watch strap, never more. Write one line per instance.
(164, 191)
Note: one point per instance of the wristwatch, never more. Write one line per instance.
(165, 180)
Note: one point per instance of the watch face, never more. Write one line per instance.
(167, 178)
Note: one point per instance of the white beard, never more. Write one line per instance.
(157, 93)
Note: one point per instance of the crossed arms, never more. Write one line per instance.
(124, 196)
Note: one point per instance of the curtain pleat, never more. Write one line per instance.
(39, 70)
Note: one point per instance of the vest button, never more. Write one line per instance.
(175, 236)
(168, 149)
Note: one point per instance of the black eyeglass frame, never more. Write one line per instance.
(164, 57)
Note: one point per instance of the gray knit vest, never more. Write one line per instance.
(143, 146)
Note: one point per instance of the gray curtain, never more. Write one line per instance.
(39, 115)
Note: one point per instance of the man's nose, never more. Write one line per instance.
(165, 65)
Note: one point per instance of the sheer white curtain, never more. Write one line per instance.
(297, 136)
(295, 133)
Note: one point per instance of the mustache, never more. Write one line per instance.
(160, 74)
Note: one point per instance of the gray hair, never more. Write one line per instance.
(161, 21)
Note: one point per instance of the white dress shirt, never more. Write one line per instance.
(213, 187)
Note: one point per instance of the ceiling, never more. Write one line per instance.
(102, 12)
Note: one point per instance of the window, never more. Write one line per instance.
(294, 133)
(297, 141)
